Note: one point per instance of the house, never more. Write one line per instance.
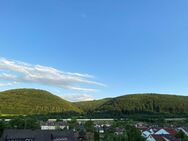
(184, 130)
(146, 133)
(99, 128)
(37, 135)
(51, 125)
(166, 137)
(161, 132)
(171, 131)
(170, 138)
(119, 131)
(166, 131)
(140, 125)
(155, 138)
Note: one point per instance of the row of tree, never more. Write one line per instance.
(87, 131)
(19, 123)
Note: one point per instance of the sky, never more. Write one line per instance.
(92, 49)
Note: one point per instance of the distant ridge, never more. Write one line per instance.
(137, 103)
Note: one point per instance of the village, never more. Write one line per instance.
(95, 130)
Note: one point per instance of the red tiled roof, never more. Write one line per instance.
(162, 137)
(171, 131)
(158, 137)
(170, 137)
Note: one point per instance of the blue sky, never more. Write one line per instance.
(131, 46)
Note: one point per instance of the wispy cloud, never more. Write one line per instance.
(7, 84)
(16, 71)
(77, 97)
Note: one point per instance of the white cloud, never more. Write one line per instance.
(7, 84)
(77, 97)
(16, 71)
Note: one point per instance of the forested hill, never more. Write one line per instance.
(32, 101)
(91, 105)
(138, 103)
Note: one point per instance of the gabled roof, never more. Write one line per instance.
(39, 135)
(164, 137)
(161, 131)
(18, 133)
(170, 137)
(185, 129)
(171, 131)
(158, 137)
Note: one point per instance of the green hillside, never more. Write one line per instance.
(148, 103)
(91, 105)
(138, 103)
(32, 101)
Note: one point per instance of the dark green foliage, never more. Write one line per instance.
(23, 123)
(112, 137)
(2, 127)
(31, 101)
(96, 136)
(19, 123)
(82, 135)
(147, 104)
(134, 134)
(89, 126)
(119, 123)
(180, 135)
(89, 106)
(186, 120)
(130, 134)
(185, 138)
(72, 124)
(31, 123)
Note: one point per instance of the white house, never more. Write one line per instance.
(147, 133)
(162, 132)
(51, 127)
(166, 131)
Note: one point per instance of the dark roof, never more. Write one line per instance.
(162, 137)
(39, 135)
(170, 138)
(158, 137)
(18, 133)
(171, 131)
(185, 128)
